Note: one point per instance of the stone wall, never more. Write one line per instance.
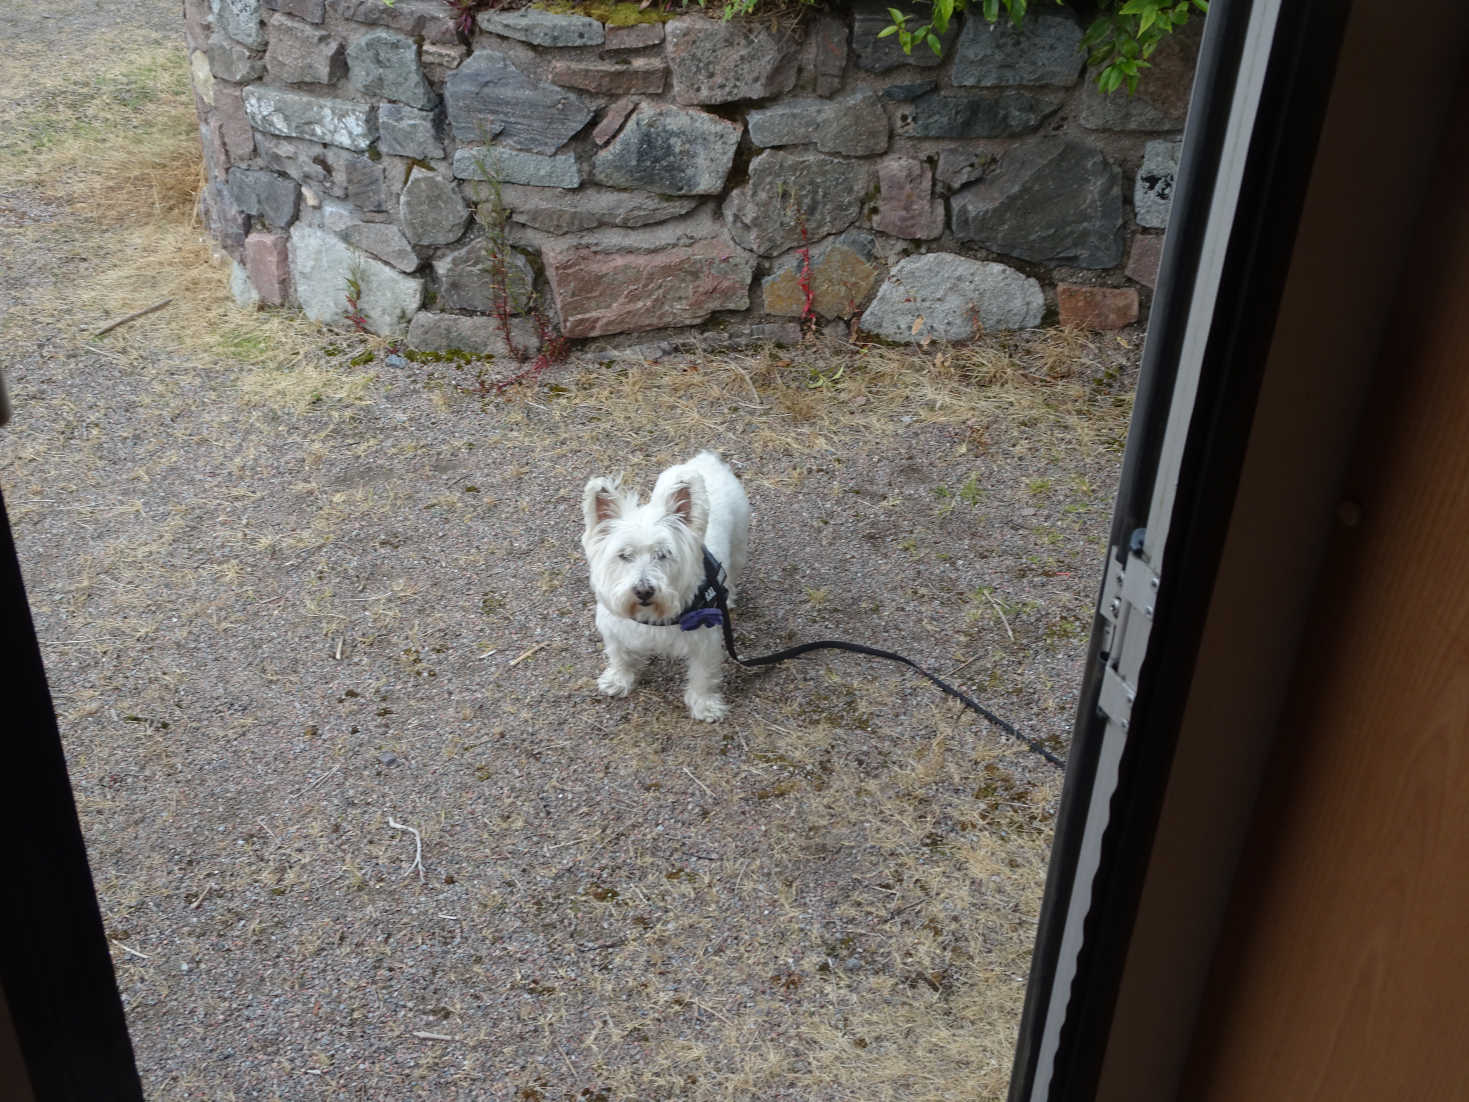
(687, 173)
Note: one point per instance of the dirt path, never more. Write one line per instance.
(292, 607)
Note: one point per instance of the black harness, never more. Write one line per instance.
(710, 608)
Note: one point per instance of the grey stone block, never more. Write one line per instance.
(338, 217)
(1152, 193)
(1044, 49)
(793, 122)
(855, 125)
(976, 114)
(305, 162)
(633, 37)
(555, 210)
(430, 210)
(384, 63)
(952, 298)
(1055, 200)
(910, 90)
(543, 28)
(620, 77)
(302, 53)
(958, 167)
(310, 10)
(240, 19)
(408, 132)
(265, 194)
(227, 223)
(823, 57)
(364, 178)
(480, 336)
(511, 166)
(789, 192)
(671, 151)
(489, 98)
(384, 241)
(228, 60)
(429, 20)
(718, 62)
(322, 263)
(466, 279)
(298, 115)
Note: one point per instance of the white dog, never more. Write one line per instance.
(648, 571)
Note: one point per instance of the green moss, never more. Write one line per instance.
(614, 13)
(449, 355)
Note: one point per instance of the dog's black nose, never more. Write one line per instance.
(644, 593)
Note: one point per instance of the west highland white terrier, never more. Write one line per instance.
(648, 569)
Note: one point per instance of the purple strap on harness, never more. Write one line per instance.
(701, 618)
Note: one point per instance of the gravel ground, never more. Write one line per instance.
(310, 615)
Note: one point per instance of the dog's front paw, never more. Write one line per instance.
(616, 682)
(710, 709)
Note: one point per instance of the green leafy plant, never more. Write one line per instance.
(1119, 40)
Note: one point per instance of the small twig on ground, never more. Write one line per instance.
(313, 784)
(698, 782)
(106, 353)
(527, 654)
(425, 1035)
(968, 661)
(417, 859)
(565, 1059)
(134, 952)
(996, 606)
(749, 383)
(194, 906)
(709, 1009)
(906, 907)
(134, 316)
(605, 945)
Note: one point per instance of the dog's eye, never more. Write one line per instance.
(661, 555)
(625, 555)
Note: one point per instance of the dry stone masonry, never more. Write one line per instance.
(668, 175)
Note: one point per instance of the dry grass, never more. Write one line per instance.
(1044, 394)
(885, 889)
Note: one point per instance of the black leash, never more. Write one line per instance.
(714, 595)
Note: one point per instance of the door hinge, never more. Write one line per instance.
(1128, 597)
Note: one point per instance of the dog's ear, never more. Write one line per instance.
(601, 501)
(688, 500)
